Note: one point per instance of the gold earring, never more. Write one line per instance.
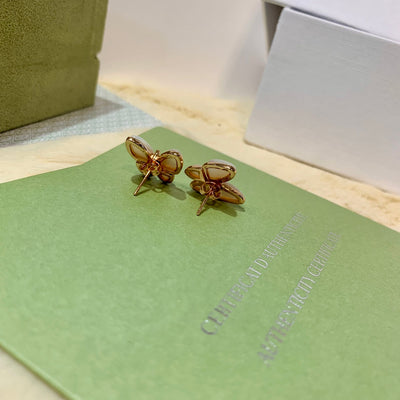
(210, 180)
(165, 165)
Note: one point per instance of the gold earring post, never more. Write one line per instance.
(203, 203)
(141, 183)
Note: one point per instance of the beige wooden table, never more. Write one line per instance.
(217, 123)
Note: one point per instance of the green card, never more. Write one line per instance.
(109, 296)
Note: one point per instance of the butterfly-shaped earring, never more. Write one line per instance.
(165, 165)
(210, 180)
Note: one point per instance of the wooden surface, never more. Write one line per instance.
(217, 123)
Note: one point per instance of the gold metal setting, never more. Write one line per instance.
(165, 165)
(210, 180)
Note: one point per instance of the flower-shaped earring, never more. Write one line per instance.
(210, 180)
(165, 165)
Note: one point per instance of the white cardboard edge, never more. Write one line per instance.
(379, 18)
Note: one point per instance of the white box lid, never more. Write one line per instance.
(378, 17)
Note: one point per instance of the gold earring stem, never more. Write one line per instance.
(203, 203)
(141, 183)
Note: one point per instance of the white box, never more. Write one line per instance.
(330, 96)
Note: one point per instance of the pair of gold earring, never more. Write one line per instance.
(209, 179)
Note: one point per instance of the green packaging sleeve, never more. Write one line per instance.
(48, 57)
(109, 296)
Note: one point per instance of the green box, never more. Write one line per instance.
(48, 62)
